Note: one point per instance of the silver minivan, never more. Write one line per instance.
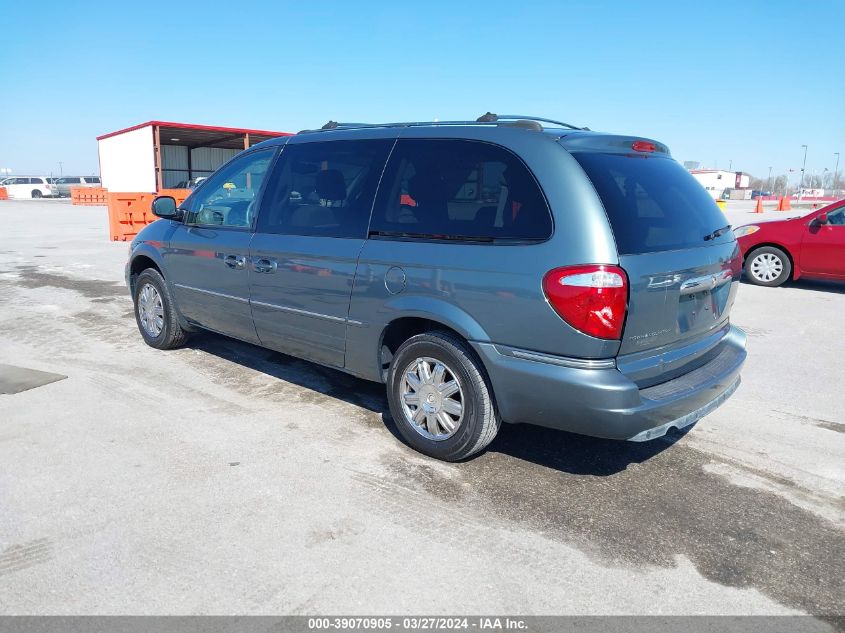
(510, 269)
(64, 184)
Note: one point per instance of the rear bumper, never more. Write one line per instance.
(594, 398)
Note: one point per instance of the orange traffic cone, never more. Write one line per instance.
(780, 203)
(786, 205)
(759, 208)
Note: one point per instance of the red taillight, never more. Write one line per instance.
(591, 298)
(643, 146)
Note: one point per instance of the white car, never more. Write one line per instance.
(29, 187)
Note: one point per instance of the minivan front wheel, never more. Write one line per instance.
(439, 397)
(768, 266)
(155, 312)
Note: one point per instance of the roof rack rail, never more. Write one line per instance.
(524, 117)
(486, 119)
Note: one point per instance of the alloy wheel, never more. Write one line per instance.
(432, 398)
(150, 310)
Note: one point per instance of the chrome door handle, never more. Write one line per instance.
(238, 262)
(264, 265)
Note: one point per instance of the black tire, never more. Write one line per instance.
(171, 335)
(36, 193)
(762, 266)
(479, 422)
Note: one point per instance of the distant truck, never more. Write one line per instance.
(736, 194)
(717, 181)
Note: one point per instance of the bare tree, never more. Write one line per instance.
(812, 181)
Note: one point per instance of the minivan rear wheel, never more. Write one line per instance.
(36, 193)
(440, 398)
(768, 266)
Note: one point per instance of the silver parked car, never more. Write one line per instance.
(64, 184)
(510, 269)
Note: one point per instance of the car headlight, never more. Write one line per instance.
(742, 231)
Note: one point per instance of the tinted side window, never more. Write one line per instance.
(653, 203)
(459, 189)
(36, 181)
(228, 197)
(72, 181)
(92, 180)
(324, 189)
(837, 217)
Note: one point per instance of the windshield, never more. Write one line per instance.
(653, 203)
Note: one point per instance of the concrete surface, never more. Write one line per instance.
(223, 478)
(16, 379)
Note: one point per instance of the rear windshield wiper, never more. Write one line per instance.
(717, 233)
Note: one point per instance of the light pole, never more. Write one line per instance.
(60, 169)
(769, 185)
(803, 167)
(836, 174)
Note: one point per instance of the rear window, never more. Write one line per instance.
(652, 202)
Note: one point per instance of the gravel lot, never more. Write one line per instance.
(223, 478)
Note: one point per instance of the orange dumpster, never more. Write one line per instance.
(129, 213)
(88, 196)
(178, 194)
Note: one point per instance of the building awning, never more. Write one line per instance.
(192, 135)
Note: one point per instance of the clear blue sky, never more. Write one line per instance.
(748, 82)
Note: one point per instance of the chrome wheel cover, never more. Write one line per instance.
(766, 267)
(150, 310)
(432, 398)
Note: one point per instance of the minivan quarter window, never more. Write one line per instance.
(459, 189)
(324, 189)
(229, 198)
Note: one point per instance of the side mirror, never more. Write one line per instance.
(821, 218)
(165, 207)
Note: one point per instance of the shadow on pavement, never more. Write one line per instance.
(576, 454)
(559, 450)
(818, 285)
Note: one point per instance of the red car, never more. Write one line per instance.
(808, 246)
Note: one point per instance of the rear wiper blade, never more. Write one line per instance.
(717, 233)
